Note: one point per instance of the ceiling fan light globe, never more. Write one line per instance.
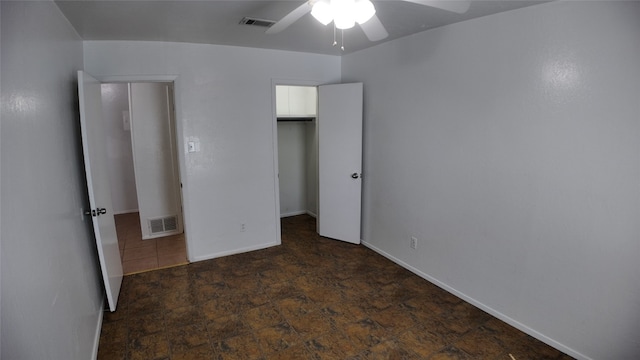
(343, 13)
(363, 11)
(321, 11)
(344, 22)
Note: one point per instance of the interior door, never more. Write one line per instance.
(154, 159)
(95, 161)
(340, 161)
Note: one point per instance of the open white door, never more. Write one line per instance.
(94, 149)
(340, 161)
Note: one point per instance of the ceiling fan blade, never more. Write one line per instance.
(290, 18)
(456, 6)
(374, 29)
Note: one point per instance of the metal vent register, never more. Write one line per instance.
(256, 22)
(164, 224)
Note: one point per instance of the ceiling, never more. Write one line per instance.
(218, 22)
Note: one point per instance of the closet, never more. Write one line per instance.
(296, 110)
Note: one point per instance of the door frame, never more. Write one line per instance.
(180, 141)
(274, 142)
(168, 86)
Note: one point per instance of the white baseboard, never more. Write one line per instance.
(121, 212)
(96, 339)
(235, 251)
(480, 305)
(293, 213)
(296, 213)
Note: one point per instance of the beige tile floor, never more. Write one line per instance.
(143, 255)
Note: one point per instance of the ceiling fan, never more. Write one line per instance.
(345, 13)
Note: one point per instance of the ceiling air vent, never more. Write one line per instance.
(256, 22)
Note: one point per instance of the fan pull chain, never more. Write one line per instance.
(335, 42)
(334, 35)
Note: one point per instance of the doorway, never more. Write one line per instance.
(335, 115)
(296, 113)
(145, 185)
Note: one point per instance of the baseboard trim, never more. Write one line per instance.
(96, 339)
(234, 251)
(293, 213)
(312, 214)
(480, 305)
(122, 212)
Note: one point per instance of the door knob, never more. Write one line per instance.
(355, 175)
(95, 212)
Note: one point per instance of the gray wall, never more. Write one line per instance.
(297, 163)
(224, 98)
(509, 146)
(292, 159)
(51, 292)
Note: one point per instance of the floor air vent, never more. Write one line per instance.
(256, 22)
(159, 225)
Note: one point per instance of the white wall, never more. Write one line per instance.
(224, 98)
(0, 201)
(292, 159)
(115, 100)
(51, 291)
(509, 145)
(298, 164)
(311, 167)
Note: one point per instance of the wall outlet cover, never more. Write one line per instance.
(414, 242)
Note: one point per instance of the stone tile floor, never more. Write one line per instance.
(310, 298)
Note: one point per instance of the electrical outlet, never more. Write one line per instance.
(414, 242)
(243, 227)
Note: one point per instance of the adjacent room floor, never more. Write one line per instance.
(310, 298)
(142, 255)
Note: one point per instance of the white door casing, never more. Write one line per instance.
(95, 160)
(340, 161)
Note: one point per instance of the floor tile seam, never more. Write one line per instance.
(346, 336)
(250, 333)
(209, 337)
(167, 331)
(247, 328)
(444, 346)
(129, 349)
(140, 258)
(469, 356)
(463, 334)
(140, 244)
(296, 332)
(308, 347)
(318, 334)
(397, 343)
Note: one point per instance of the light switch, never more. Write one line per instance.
(193, 144)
